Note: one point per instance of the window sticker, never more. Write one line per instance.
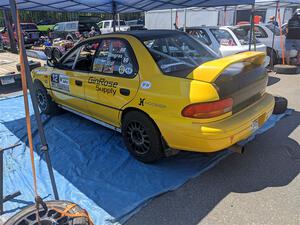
(109, 67)
(98, 64)
(125, 60)
(121, 70)
(60, 81)
(128, 70)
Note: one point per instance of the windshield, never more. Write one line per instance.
(122, 23)
(86, 27)
(28, 27)
(178, 54)
(243, 35)
(271, 27)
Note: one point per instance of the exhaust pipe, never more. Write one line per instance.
(237, 148)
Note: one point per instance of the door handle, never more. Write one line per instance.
(78, 82)
(124, 91)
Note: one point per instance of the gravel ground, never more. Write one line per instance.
(261, 186)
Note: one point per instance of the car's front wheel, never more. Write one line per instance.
(44, 100)
(141, 137)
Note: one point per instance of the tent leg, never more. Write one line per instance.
(8, 23)
(184, 25)
(251, 27)
(273, 38)
(35, 103)
(114, 13)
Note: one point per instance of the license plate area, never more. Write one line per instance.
(7, 80)
(256, 124)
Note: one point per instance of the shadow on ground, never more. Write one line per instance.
(271, 160)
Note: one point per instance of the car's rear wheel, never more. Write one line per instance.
(45, 102)
(141, 137)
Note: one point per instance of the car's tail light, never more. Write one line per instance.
(208, 110)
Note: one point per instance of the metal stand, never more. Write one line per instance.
(4, 199)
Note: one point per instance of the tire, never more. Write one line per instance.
(56, 54)
(49, 216)
(285, 69)
(275, 57)
(45, 102)
(142, 138)
(280, 105)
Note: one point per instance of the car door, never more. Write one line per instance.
(114, 80)
(69, 79)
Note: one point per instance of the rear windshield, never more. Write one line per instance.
(29, 27)
(178, 54)
(122, 23)
(223, 37)
(85, 26)
(243, 35)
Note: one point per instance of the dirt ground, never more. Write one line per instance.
(261, 186)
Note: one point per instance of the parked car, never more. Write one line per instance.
(106, 26)
(224, 40)
(161, 89)
(30, 31)
(72, 31)
(264, 33)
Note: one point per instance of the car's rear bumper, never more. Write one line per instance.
(214, 136)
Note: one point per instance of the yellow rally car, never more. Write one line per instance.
(161, 89)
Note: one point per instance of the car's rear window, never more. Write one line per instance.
(178, 54)
(242, 33)
(29, 27)
(274, 29)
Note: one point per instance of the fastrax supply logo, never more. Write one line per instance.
(103, 85)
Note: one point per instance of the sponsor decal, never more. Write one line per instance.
(125, 60)
(60, 81)
(128, 70)
(105, 86)
(155, 104)
(146, 85)
(142, 100)
(121, 70)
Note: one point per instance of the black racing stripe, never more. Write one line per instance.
(97, 103)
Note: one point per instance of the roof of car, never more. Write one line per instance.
(150, 34)
(201, 27)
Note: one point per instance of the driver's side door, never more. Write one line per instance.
(69, 79)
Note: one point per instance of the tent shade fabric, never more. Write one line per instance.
(121, 6)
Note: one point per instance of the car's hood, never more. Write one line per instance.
(209, 71)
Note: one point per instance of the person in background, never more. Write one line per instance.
(292, 40)
(92, 33)
(272, 21)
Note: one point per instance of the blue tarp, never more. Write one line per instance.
(122, 6)
(91, 165)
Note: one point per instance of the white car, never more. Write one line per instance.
(107, 26)
(264, 33)
(223, 40)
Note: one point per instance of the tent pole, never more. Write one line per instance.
(281, 38)
(114, 12)
(8, 24)
(118, 15)
(273, 38)
(251, 27)
(184, 26)
(41, 132)
(171, 19)
(225, 14)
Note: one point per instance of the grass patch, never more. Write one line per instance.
(45, 27)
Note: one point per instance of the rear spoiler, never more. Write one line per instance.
(209, 71)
